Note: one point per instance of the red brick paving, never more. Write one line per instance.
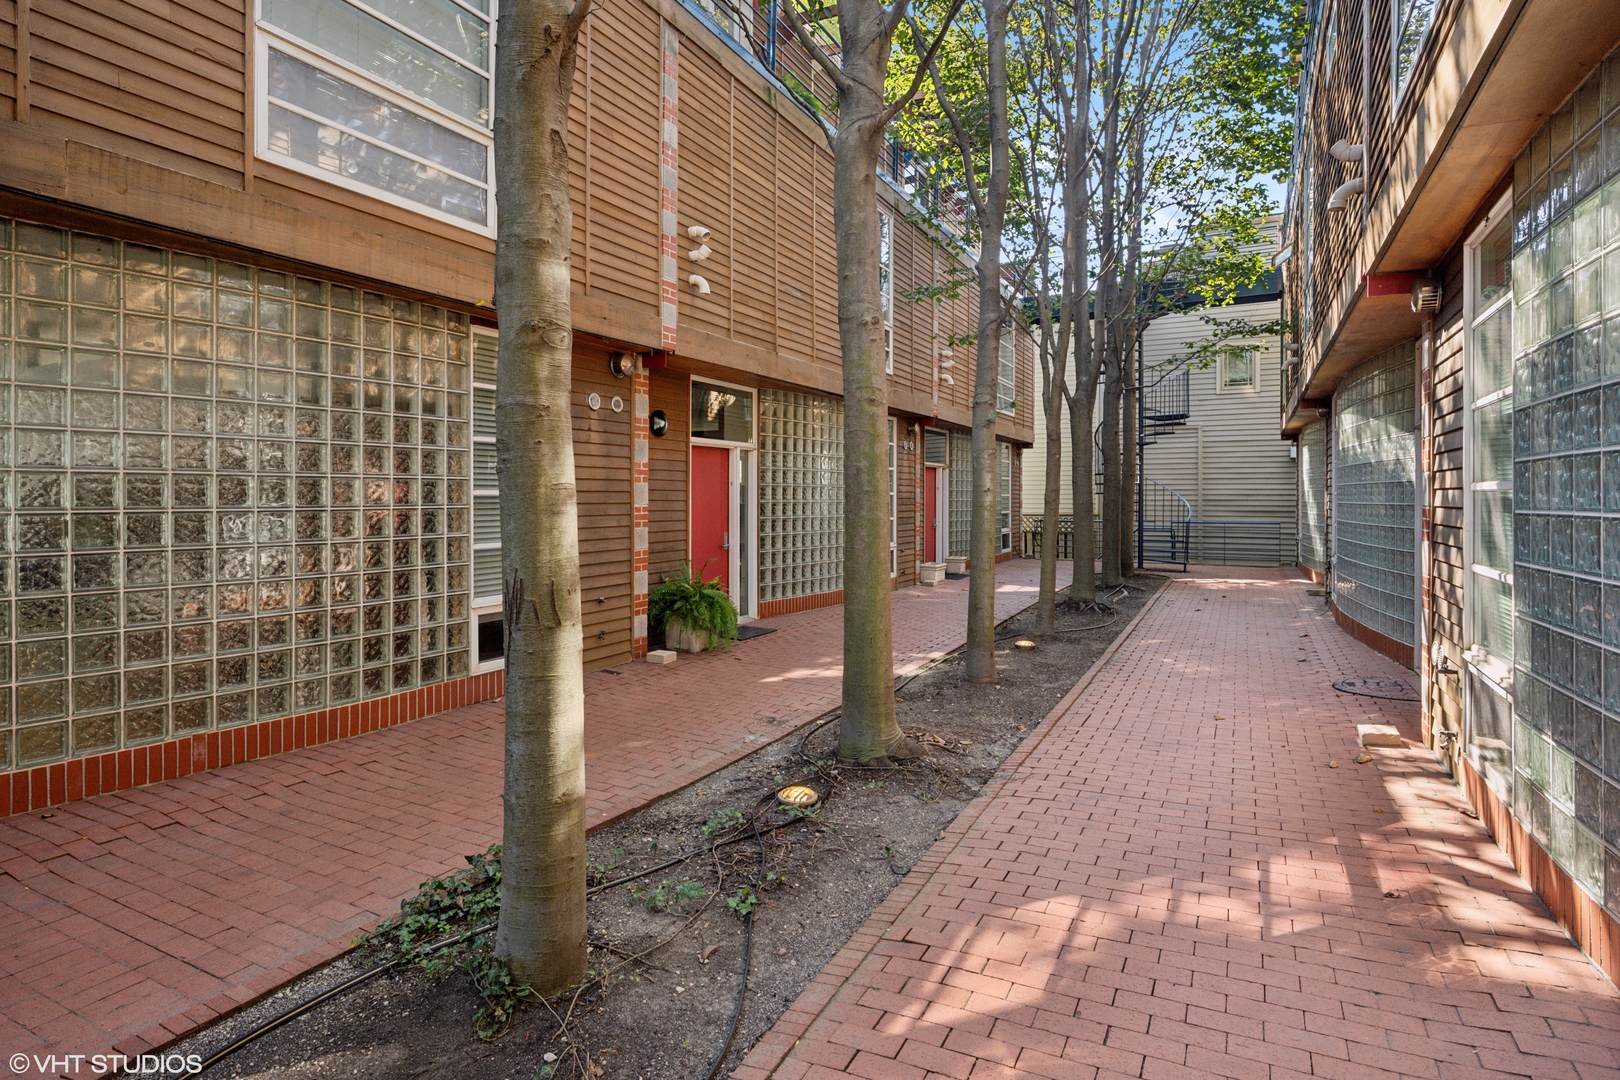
(129, 919)
(1167, 880)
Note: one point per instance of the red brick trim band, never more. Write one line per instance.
(1592, 927)
(1397, 651)
(769, 609)
(26, 790)
(774, 1046)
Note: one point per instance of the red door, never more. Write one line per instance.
(930, 515)
(711, 514)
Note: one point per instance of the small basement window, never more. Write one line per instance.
(491, 637)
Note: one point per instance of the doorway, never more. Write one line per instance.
(722, 486)
(931, 506)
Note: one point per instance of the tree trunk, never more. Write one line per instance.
(1052, 502)
(980, 652)
(868, 729)
(542, 921)
(1083, 482)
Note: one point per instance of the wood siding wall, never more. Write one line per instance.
(669, 464)
(145, 112)
(602, 476)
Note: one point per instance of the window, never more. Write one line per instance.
(801, 494)
(1007, 372)
(722, 413)
(486, 496)
(894, 502)
(886, 285)
(1004, 495)
(389, 97)
(1488, 515)
(1237, 368)
(1412, 19)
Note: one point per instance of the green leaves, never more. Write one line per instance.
(703, 606)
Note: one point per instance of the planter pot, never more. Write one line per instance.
(931, 573)
(679, 636)
(956, 564)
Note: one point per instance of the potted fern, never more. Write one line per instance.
(695, 615)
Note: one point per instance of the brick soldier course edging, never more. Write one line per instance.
(42, 786)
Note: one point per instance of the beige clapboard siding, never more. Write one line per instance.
(1227, 462)
(1246, 473)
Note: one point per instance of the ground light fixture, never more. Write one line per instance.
(799, 795)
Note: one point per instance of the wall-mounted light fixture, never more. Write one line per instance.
(1426, 296)
(658, 423)
(621, 364)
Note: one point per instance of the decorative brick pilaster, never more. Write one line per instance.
(668, 183)
(640, 474)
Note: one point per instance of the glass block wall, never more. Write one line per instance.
(226, 494)
(801, 495)
(1313, 496)
(1566, 486)
(1374, 486)
(960, 519)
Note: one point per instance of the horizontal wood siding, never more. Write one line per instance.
(705, 190)
(623, 163)
(163, 83)
(753, 195)
(825, 304)
(795, 280)
(602, 477)
(668, 463)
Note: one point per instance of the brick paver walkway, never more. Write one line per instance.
(135, 917)
(1169, 881)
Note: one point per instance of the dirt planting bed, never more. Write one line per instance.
(667, 950)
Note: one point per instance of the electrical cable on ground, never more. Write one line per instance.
(756, 833)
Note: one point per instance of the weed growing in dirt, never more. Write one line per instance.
(443, 905)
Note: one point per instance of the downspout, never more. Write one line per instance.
(1366, 95)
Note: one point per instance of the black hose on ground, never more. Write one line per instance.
(748, 946)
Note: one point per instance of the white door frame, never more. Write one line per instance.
(746, 570)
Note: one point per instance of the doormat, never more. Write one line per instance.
(749, 630)
(956, 577)
(1388, 689)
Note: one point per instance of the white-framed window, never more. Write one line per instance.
(1007, 371)
(1237, 368)
(1411, 26)
(1488, 510)
(390, 98)
(1004, 496)
(894, 500)
(488, 630)
(886, 285)
(722, 413)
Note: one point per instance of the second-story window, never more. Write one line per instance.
(886, 285)
(1412, 19)
(389, 97)
(1007, 372)
(1237, 368)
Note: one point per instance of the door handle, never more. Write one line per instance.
(725, 541)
